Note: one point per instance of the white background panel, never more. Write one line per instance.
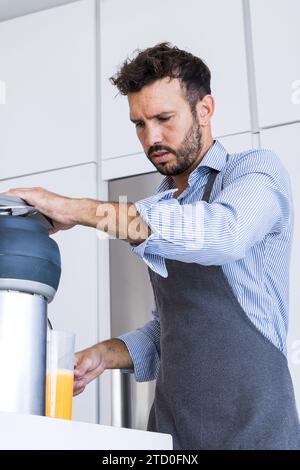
(47, 61)
(276, 46)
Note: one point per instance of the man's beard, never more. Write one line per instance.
(186, 154)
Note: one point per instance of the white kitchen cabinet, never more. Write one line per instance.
(128, 165)
(237, 143)
(75, 306)
(14, 8)
(276, 47)
(47, 61)
(211, 30)
(285, 142)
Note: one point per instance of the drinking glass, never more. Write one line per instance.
(60, 374)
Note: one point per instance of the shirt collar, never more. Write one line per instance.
(215, 158)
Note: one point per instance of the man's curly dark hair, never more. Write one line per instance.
(160, 61)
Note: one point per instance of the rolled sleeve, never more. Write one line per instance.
(175, 229)
(144, 356)
(143, 346)
(144, 207)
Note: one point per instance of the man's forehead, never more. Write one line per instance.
(160, 96)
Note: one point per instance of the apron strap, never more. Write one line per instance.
(209, 185)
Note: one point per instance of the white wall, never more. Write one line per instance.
(14, 8)
(276, 36)
(47, 60)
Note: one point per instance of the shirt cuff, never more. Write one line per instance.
(143, 354)
(155, 262)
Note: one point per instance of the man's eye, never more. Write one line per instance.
(139, 124)
(164, 118)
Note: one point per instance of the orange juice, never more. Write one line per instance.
(59, 393)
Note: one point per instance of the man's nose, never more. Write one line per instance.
(153, 136)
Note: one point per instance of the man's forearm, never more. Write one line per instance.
(116, 355)
(120, 220)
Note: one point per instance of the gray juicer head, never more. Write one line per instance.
(30, 259)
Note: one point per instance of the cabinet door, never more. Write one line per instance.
(74, 307)
(276, 39)
(211, 30)
(237, 143)
(47, 61)
(284, 141)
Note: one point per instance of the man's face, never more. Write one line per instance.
(168, 131)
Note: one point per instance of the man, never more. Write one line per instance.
(216, 238)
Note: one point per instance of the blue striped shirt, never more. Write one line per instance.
(246, 229)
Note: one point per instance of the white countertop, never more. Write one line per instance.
(28, 432)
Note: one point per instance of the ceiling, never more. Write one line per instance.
(12, 8)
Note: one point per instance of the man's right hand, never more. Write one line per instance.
(91, 362)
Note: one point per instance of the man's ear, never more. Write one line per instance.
(205, 109)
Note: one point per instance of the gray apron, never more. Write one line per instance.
(221, 383)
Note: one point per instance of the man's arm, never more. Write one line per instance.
(120, 220)
(137, 351)
(255, 197)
